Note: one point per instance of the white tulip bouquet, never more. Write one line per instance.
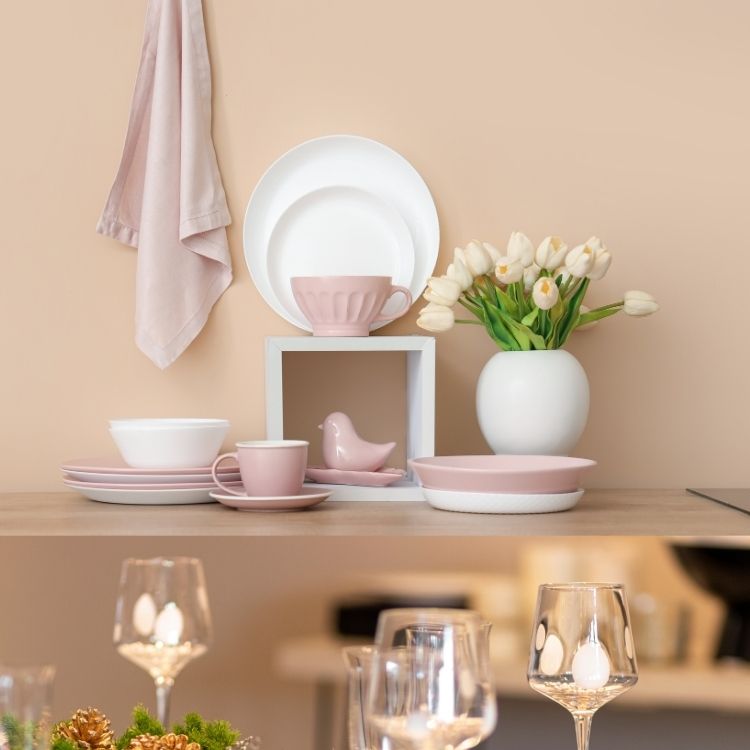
(528, 298)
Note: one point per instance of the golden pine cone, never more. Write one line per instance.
(88, 729)
(143, 742)
(169, 741)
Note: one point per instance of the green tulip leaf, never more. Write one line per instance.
(528, 320)
(497, 328)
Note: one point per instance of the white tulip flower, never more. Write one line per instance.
(493, 252)
(530, 275)
(639, 303)
(545, 293)
(478, 260)
(579, 261)
(520, 248)
(442, 291)
(436, 318)
(458, 272)
(602, 259)
(551, 253)
(509, 270)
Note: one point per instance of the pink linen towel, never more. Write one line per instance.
(167, 199)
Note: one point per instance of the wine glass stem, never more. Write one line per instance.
(583, 729)
(163, 693)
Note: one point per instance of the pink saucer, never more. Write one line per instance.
(306, 499)
(381, 478)
(118, 466)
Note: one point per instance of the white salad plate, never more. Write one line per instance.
(139, 496)
(496, 502)
(339, 205)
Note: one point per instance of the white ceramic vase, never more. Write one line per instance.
(533, 402)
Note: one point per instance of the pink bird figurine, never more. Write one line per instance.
(343, 449)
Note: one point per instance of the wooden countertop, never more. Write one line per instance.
(600, 512)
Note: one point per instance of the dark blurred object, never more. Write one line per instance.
(359, 617)
(723, 571)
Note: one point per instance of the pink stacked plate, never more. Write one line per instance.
(110, 480)
(501, 484)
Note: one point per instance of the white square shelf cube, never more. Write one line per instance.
(420, 399)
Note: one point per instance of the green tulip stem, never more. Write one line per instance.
(608, 307)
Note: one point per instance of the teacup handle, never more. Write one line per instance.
(215, 476)
(396, 290)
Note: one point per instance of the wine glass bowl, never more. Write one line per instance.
(430, 684)
(582, 654)
(162, 619)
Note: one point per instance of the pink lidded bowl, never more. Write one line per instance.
(346, 305)
(501, 473)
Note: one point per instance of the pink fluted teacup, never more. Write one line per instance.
(346, 305)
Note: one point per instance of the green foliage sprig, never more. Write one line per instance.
(142, 723)
(210, 735)
(17, 734)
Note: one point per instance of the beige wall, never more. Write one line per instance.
(628, 120)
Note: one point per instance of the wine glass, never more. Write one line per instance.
(25, 705)
(431, 681)
(162, 619)
(582, 653)
(358, 660)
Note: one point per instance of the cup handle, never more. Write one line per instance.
(407, 300)
(215, 476)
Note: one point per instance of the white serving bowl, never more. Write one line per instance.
(168, 443)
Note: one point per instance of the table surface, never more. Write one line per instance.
(317, 659)
(600, 512)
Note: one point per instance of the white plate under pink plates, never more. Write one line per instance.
(137, 496)
(518, 474)
(381, 478)
(140, 479)
(109, 465)
(306, 499)
(501, 502)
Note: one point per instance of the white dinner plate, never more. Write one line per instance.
(333, 229)
(496, 502)
(135, 496)
(136, 479)
(336, 204)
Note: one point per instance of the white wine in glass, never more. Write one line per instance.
(582, 654)
(162, 619)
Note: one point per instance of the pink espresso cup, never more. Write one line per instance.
(269, 468)
(346, 305)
